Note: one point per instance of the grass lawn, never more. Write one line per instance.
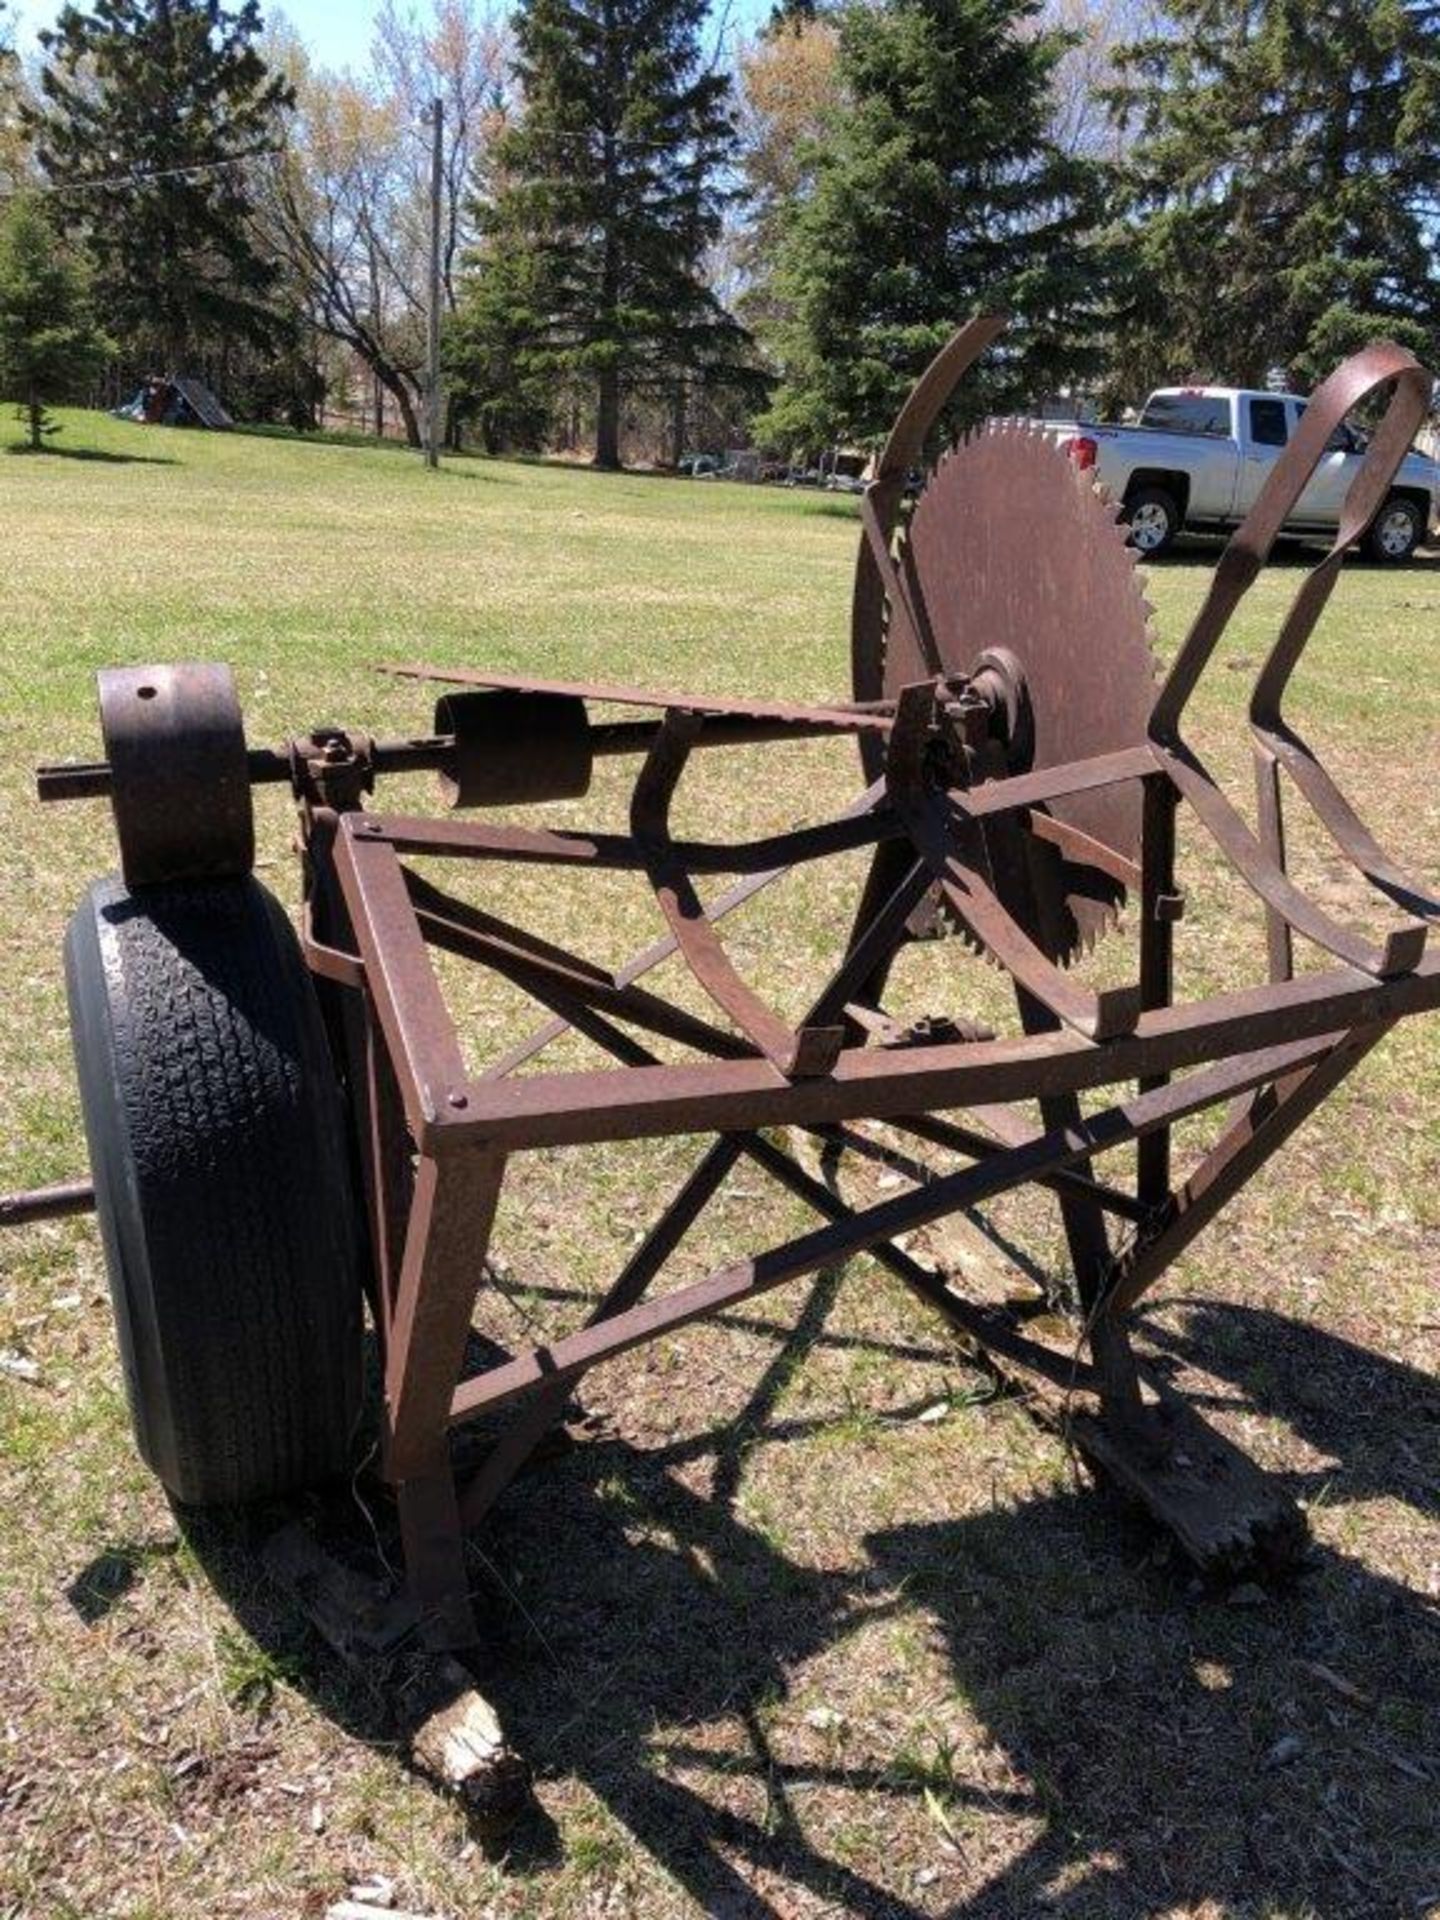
(810, 1624)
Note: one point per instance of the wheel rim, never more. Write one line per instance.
(1149, 526)
(1395, 534)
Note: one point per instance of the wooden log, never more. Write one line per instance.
(449, 1732)
(1228, 1516)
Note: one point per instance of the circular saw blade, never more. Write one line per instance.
(1011, 546)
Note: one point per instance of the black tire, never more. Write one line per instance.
(1394, 533)
(218, 1149)
(1153, 519)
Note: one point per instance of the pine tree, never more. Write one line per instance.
(49, 345)
(1284, 185)
(149, 109)
(12, 140)
(937, 192)
(496, 371)
(605, 198)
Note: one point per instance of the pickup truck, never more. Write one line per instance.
(1198, 456)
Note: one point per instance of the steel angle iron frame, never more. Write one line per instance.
(979, 814)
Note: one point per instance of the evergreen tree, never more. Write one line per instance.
(497, 371)
(148, 110)
(1284, 183)
(12, 141)
(49, 345)
(604, 200)
(937, 192)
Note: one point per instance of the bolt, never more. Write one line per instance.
(459, 1101)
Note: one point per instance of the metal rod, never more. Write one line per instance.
(47, 1203)
(1158, 904)
(986, 1325)
(432, 313)
(575, 1354)
(533, 1421)
(975, 1145)
(433, 753)
(1265, 1124)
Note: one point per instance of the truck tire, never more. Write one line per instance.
(218, 1148)
(1395, 532)
(1153, 519)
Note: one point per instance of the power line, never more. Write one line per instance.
(144, 179)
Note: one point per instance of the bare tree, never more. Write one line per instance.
(459, 57)
(1083, 122)
(347, 205)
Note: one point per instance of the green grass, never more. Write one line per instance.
(775, 1644)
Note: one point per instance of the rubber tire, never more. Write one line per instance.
(1155, 497)
(1370, 544)
(218, 1148)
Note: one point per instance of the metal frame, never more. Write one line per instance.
(436, 1141)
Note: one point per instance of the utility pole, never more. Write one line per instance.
(432, 342)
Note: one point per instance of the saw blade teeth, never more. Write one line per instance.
(1061, 587)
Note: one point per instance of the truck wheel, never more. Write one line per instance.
(218, 1149)
(1153, 519)
(1395, 532)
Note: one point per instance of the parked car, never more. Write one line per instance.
(1199, 455)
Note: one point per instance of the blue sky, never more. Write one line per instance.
(338, 34)
(336, 31)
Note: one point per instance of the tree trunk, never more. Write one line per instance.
(35, 407)
(679, 423)
(607, 411)
(405, 400)
(607, 419)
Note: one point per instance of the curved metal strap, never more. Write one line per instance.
(1239, 565)
(1344, 825)
(1265, 876)
(881, 511)
(1250, 545)
(927, 397)
(811, 1051)
(1276, 737)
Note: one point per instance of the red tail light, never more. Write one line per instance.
(1082, 450)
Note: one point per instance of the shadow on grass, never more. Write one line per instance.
(104, 1582)
(1288, 555)
(1157, 1748)
(846, 508)
(97, 456)
(462, 463)
(1134, 1744)
(1379, 1422)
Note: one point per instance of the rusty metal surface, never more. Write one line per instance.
(1022, 770)
(59, 1202)
(180, 782)
(1016, 565)
(514, 747)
